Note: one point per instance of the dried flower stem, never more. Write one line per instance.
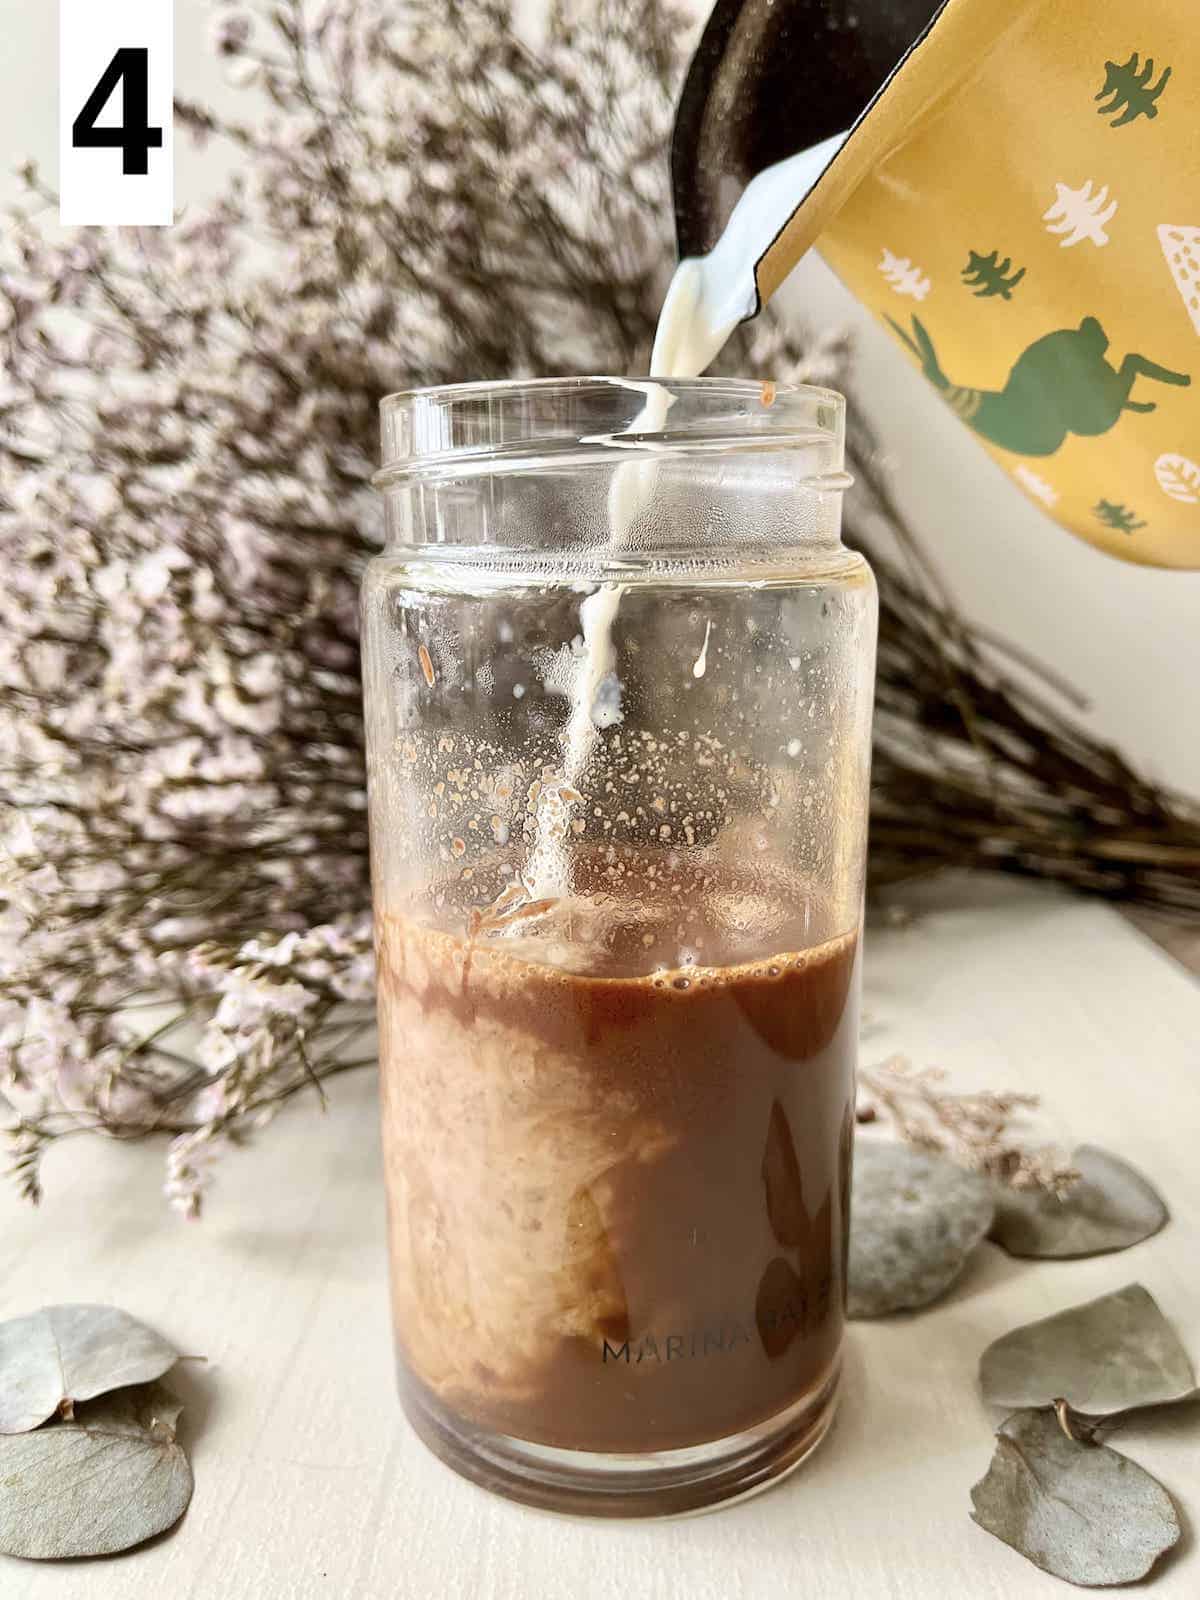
(974, 1129)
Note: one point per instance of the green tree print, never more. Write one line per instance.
(1115, 515)
(1127, 89)
(988, 275)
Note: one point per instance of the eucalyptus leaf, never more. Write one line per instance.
(56, 1357)
(1111, 1207)
(914, 1220)
(1103, 1357)
(1082, 1512)
(110, 1479)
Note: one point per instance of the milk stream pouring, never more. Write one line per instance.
(1011, 186)
(708, 297)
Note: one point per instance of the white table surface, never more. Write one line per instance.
(308, 1482)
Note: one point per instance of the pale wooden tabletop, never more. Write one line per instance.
(308, 1483)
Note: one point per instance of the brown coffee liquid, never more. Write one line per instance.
(618, 1202)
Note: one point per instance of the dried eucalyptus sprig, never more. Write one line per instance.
(1104, 1357)
(106, 1479)
(187, 431)
(1080, 1511)
(1054, 1492)
(61, 1355)
(1111, 1207)
(89, 1462)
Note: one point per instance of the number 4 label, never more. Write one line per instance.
(135, 137)
(116, 93)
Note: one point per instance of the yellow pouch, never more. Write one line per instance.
(1020, 207)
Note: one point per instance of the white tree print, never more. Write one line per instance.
(1080, 214)
(1035, 484)
(903, 276)
(1179, 477)
(1181, 246)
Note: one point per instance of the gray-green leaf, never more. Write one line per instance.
(61, 1355)
(110, 1479)
(1106, 1356)
(914, 1220)
(1111, 1207)
(1082, 1512)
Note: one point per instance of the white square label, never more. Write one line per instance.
(116, 84)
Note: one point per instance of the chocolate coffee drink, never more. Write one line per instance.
(618, 1175)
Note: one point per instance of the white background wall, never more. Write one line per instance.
(1128, 636)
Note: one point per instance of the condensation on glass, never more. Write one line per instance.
(618, 675)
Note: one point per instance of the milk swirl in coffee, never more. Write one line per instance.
(618, 1196)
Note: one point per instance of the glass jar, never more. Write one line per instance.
(618, 676)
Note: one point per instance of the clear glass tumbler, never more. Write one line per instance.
(618, 676)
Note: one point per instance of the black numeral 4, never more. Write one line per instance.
(135, 138)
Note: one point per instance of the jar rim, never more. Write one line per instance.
(605, 381)
(522, 424)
